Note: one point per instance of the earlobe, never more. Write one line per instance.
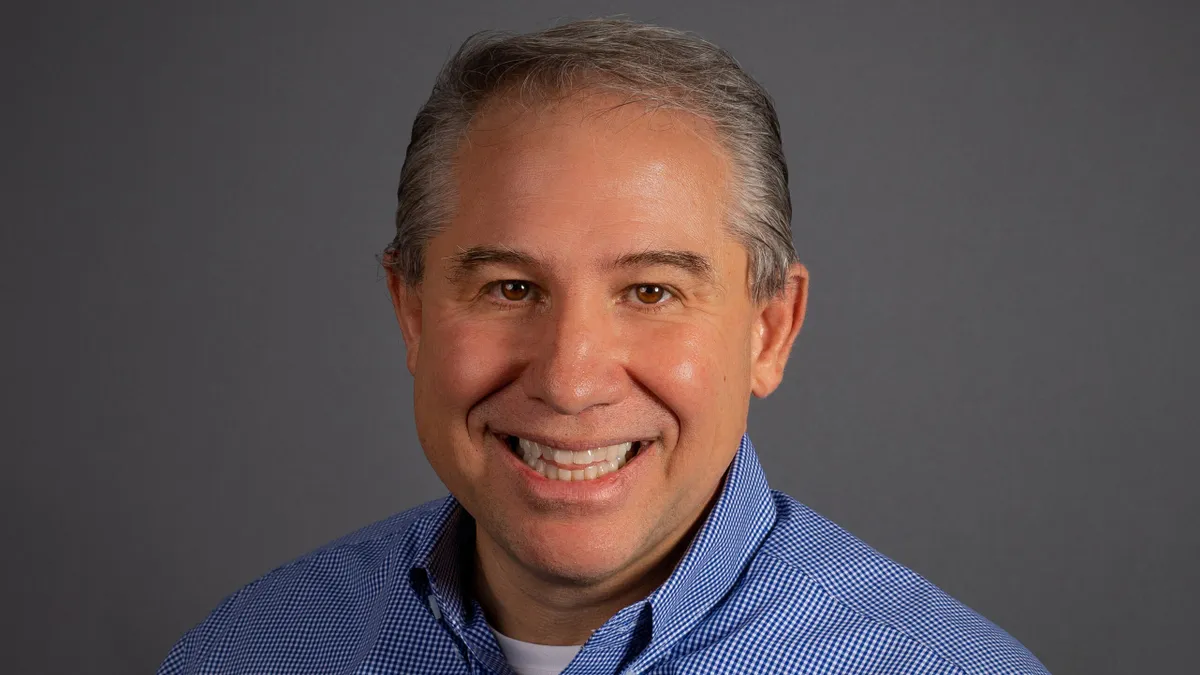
(776, 326)
(406, 301)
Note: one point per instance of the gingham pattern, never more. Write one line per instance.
(767, 586)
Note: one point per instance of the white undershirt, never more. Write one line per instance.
(526, 658)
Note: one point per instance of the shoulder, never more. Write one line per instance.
(812, 551)
(323, 593)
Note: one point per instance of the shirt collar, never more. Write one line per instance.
(442, 540)
(735, 527)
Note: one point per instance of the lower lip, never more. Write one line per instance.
(608, 486)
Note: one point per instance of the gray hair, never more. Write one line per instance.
(667, 67)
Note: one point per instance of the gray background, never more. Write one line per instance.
(996, 385)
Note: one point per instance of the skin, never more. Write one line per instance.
(577, 200)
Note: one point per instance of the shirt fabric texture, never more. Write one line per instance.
(527, 658)
(766, 586)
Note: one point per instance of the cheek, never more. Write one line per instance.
(462, 361)
(698, 369)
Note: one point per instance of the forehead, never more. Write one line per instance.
(591, 172)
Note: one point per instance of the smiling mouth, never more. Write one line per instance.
(573, 465)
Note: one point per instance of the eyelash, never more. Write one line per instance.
(491, 290)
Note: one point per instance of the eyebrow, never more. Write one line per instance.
(694, 264)
(471, 259)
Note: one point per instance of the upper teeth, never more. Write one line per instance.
(592, 463)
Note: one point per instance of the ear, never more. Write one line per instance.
(776, 324)
(406, 300)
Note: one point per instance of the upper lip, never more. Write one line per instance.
(571, 444)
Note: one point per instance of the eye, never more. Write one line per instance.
(651, 294)
(515, 290)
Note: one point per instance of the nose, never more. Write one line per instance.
(578, 361)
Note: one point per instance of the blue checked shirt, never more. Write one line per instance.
(767, 586)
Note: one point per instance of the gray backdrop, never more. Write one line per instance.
(996, 385)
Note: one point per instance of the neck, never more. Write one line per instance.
(526, 605)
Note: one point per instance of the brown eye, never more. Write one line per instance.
(514, 291)
(650, 294)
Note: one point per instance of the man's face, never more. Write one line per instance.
(586, 296)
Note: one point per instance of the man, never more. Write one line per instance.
(593, 272)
